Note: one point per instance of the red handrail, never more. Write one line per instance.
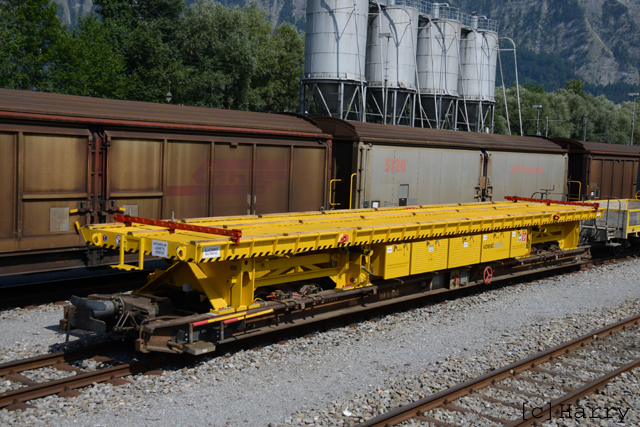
(173, 226)
(515, 199)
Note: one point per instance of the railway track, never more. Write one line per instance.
(111, 371)
(551, 370)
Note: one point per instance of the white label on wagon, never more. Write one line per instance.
(211, 252)
(118, 240)
(160, 249)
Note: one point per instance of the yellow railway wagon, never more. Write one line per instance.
(242, 266)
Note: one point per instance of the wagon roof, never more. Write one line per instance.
(70, 109)
(599, 147)
(403, 135)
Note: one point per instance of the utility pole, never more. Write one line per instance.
(584, 132)
(538, 107)
(546, 129)
(168, 96)
(385, 88)
(633, 117)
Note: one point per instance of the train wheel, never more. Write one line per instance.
(487, 275)
(617, 250)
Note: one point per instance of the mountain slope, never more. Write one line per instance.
(598, 39)
(70, 10)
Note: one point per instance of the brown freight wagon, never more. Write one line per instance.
(598, 170)
(59, 153)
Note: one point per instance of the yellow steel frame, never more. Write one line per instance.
(232, 284)
(300, 247)
(266, 235)
(567, 235)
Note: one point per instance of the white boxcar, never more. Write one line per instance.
(378, 165)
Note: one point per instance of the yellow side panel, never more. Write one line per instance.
(390, 261)
(519, 243)
(464, 250)
(495, 246)
(429, 255)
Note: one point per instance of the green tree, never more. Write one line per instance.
(233, 58)
(30, 36)
(534, 88)
(123, 16)
(529, 96)
(279, 69)
(606, 122)
(89, 64)
(575, 86)
(220, 58)
(144, 33)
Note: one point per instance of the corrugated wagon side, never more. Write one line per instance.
(385, 166)
(45, 173)
(598, 170)
(63, 153)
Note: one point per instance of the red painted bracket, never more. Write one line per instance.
(173, 226)
(514, 199)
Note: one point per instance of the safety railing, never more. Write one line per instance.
(569, 182)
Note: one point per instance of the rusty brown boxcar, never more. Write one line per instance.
(598, 170)
(59, 153)
(379, 166)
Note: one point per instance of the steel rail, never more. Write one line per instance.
(573, 397)
(16, 399)
(445, 397)
(58, 357)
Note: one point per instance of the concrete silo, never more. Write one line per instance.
(391, 64)
(402, 62)
(476, 83)
(438, 66)
(333, 83)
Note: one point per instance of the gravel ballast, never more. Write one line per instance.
(347, 374)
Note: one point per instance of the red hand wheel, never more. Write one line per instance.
(487, 275)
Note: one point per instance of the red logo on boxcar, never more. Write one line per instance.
(233, 177)
(522, 169)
